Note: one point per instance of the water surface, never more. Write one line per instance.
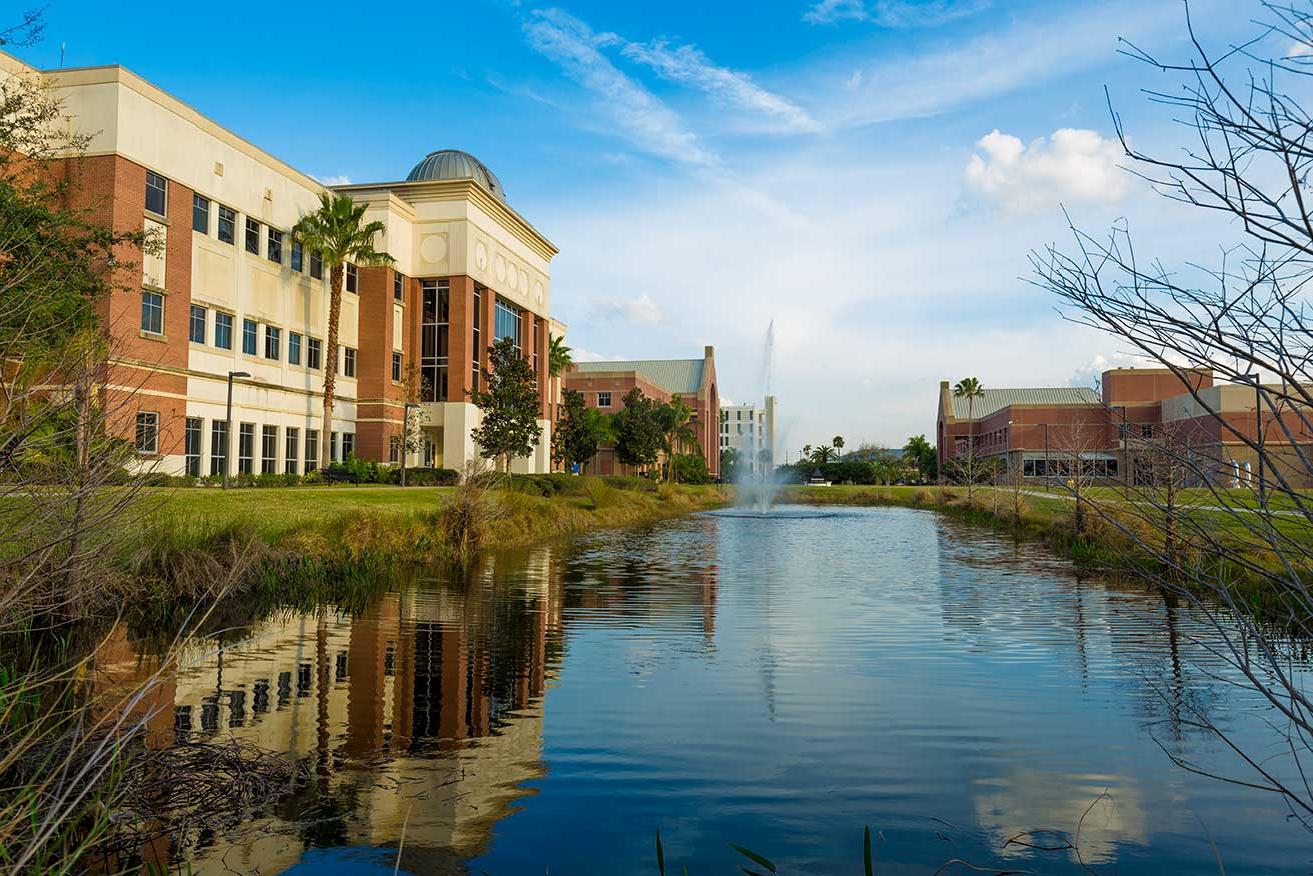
(778, 683)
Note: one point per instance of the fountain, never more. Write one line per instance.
(756, 483)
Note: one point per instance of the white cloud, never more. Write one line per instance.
(894, 13)
(689, 66)
(1089, 373)
(579, 354)
(635, 311)
(1072, 166)
(634, 112)
(335, 180)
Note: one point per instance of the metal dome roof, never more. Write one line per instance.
(455, 164)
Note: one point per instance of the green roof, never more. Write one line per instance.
(675, 376)
(996, 399)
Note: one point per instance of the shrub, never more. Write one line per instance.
(630, 482)
(691, 468)
(431, 477)
(269, 479)
(312, 478)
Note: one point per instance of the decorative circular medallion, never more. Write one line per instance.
(480, 256)
(499, 268)
(433, 248)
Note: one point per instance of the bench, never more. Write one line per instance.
(338, 476)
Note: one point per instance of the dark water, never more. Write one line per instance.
(775, 683)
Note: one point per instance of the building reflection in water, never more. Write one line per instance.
(422, 714)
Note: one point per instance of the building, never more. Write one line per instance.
(1040, 433)
(605, 384)
(231, 291)
(750, 431)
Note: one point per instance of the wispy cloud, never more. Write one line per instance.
(894, 13)
(340, 179)
(689, 66)
(642, 310)
(1072, 166)
(636, 114)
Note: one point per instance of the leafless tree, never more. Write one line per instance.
(1243, 314)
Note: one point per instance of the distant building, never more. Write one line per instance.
(750, 430)
(604, 385)
(1040, 433)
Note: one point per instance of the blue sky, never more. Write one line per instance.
(870, 174)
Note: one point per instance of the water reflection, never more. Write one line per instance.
(777, 683)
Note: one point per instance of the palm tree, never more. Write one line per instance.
(559, 359)
(838, 445)
(822, 455)
(919, 450)
(338, 231)
(676, 431)
(970, 389)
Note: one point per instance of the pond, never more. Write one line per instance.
(777, 683)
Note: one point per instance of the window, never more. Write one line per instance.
(476, 331)
(533, 321)
(394, 449)
(192, 445)
(396, 366)
(200, 214)
(246, 449)
(348, 445)
(1123, 431)
(298, 256)
(252, 236)
(273, 338)
(352, 278)
(1146, 430)
(293, 348)
(506, 322)
(249, 334)
(274, 251)
(269, 450)
(157, 189)
(604, 399)
(311, 449)
(223, 330)
(196, 327)
(348, 362)
(227, 230)
(218, 447)
(398, 286)
(332, 447)
(312, 353)
(291, 449)
(148, 432)
(434, 336)
(152, 312)
(316, 264)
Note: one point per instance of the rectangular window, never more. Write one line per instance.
(434, 336)
(148, 432)
(332, 447)
(223, 330)
(227, 230)
(252, 236)
(298, 256)
(293, 348)
(218, 447)
(274, 250)
(273, 341)
(313, 353)
(250, 335)
(476, 331)
(200, 214)
(506, 322)
(352, 278)
(394, 449)
(311, 449)
(316, 264)
(291, 449)
(604, 399)
(196, 327)
(348, 362)
(152, 312)
(269, 450)
(348, 445)
(396, 366)
(192, 445)
(246, 449)
(398, 286)
(157, 193)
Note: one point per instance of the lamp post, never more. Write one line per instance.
(1258, 432)
(228, 427)
(405, 437)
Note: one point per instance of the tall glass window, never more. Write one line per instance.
(200, 214)
(269, 450)
(192, 446)
(223, 331)
(152, 312)
(250, 336)
(291, 449)
(293, 348)
(273, 338)
(157, 188)
(434, 337)
(218, 447)
(246, 449)
(227, 228)
(476, 374)
(196, 326)
(506, 322)
(311, 449)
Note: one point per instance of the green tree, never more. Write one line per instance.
(838, 445)
(637, 430)
(691, 468)
(821, 455)
(579, 431)
(921, 453)
(510, 405)
(730, 460)
(970, 389)
(677, 432)
(559, 357)
(339, 232)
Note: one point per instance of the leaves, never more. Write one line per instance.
(510, 404)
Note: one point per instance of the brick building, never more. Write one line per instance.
(604, 385)
(231, 291)
(1041, 432)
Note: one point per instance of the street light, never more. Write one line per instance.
(405, 436)
(228, 427)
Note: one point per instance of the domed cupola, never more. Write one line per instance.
(455, 164)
